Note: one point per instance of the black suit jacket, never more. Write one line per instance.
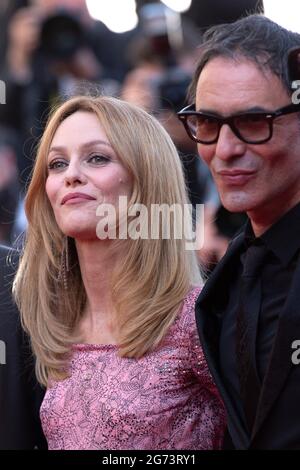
(277, 423)
(20, 395)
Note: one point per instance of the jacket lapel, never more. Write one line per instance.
(210, 308)
(280, 361)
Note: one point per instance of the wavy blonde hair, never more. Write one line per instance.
(153, 276)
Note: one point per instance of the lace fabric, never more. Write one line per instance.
(164, 400)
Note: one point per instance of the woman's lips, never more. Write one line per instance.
(75, 198)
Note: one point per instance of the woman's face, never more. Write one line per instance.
(83, 173)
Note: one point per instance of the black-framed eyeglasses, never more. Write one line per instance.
(252, 127)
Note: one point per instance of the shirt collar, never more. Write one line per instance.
(282, 238)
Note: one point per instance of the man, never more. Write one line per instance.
(20, 396)
(248, 314)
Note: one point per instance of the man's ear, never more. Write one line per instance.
(293, 59)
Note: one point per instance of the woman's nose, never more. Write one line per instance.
(74, 174)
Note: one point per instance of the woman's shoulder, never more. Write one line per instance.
(185, 320)
(191, 297)
(189, 302)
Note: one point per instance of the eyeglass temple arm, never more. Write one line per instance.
(190, 107)
(288, 109)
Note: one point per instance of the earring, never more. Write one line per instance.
(64, 263)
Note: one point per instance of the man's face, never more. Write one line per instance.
(262, 180)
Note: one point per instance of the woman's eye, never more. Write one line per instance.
(98, 159)
(57, 165)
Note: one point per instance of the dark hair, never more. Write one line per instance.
(255, 38)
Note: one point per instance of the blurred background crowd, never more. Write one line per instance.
(51, 49)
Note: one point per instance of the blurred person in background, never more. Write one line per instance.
(20, 395)
(9, 186)
(52, 47)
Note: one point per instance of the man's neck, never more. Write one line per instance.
(262, 220)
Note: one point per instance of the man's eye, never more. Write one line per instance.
(206, 121)
(252, 118)
(57, 165)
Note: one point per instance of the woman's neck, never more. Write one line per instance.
(96, 265)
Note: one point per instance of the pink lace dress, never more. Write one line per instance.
(165, 400)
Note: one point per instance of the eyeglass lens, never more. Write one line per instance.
(251, 127)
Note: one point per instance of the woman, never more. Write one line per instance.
(111, 318)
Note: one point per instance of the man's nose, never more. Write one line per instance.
(229, 145)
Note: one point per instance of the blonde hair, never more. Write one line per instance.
(153, 276)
